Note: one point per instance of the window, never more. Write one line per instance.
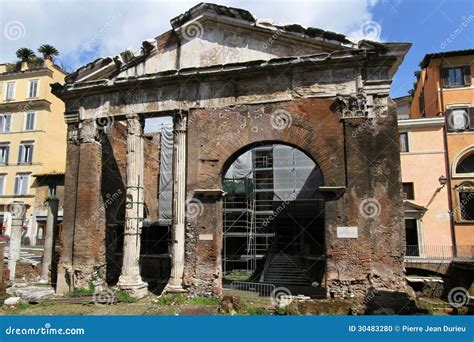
(404, 142)
(52, 190)
(25, 153)
(22, 183)
(466, 201)
(5, 123)
(30, 121)
(466, 165)
(4, 152)
(411, 238)
(2, 184)
(421, 103)
(408, 191)
(456, 76)
(10, 91)
(33, 88)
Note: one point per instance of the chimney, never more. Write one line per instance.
(48, 63)
(24, 66)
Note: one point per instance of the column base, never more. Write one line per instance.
(172, 287)
(137, 288)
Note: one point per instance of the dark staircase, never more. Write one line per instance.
(286, 269)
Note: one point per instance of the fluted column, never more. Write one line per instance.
(175, 283)
(130, 279)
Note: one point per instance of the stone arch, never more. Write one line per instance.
(217, 135)
(273, 215)
(243, 149)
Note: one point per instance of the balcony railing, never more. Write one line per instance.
(429, 252)
(422, 252)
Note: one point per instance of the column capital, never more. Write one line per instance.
(180, 122)
(73, 133)
(88, 131)
(135, 124)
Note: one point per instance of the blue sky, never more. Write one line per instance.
(427, 25)
(87, 29)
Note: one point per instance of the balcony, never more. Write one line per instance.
(424, 254)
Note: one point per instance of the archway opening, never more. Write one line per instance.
(273, 218)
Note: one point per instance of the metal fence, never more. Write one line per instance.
(459, 252)
(264, 290)
(429, 252)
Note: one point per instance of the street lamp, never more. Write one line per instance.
(442, 180)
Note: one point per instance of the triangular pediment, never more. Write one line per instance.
(216, 35)
(210, 35)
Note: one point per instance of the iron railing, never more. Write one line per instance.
(264, 290)
(422, 252)
(429, 252)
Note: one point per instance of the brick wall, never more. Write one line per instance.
(350, 153)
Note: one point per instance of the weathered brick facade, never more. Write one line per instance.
(337, 111)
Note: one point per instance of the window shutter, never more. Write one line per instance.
(8, 123)
(24, 185)
(30, 154)
(17, 185)
(448, 115)
(20, 153)
(10, 90)
(467, 75)
(471, 118)
(445, 77)
(7, 153)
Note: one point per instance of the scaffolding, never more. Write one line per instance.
(255, 182)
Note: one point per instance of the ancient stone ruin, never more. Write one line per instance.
(279, 160)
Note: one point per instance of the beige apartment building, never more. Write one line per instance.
(32, 144)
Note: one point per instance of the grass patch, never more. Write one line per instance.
(2, 298)
(281, 311)
(201, 300)
(124, 297)
(180, 299)
(23, 305)
(171, 299)
(80, 292)
(238, 275)
(259, 312)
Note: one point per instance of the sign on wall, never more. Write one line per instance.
(347, 232)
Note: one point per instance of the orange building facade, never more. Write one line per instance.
(445, 89)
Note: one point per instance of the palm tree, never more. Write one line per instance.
(48, 51)
(25, 54)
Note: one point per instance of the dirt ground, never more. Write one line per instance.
(172, 305)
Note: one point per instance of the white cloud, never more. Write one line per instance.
(84, 30)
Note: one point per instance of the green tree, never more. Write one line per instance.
(48, 51)
(25, 54)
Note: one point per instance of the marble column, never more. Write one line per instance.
(17, 210)
(130, 279)
(175, 283)
(48, 253)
